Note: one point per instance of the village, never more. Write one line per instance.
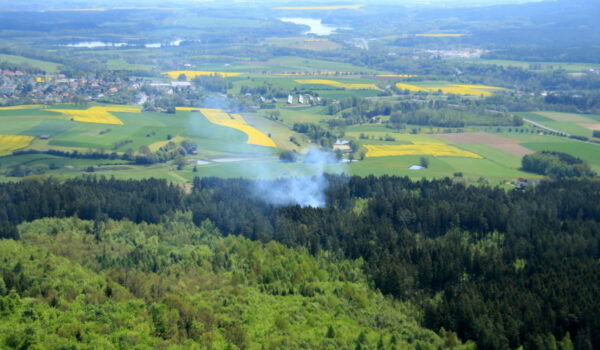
(18, 87)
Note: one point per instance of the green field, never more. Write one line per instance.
(536, 66)
(48, 67)
(223, 151)
(121, 64)
(570, 123)
(147, 128)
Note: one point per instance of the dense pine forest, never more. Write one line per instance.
(96, 260)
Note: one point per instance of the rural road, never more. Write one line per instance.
(544, 127)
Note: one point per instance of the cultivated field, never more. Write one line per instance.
(337, 84)
(234, 121)
(21, 107)
(96, 114)
(570, 123)
(191, 74)
(482, 138)
(9, 143)
(436, 149)
(457, 89)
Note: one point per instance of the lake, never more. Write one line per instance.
(316, 26)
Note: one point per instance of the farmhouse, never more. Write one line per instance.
(290, 99)
(343, 146)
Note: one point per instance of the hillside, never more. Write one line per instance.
(82, 284)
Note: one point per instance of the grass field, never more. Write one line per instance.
(228, 153)
(534, 66)
(338, 84)
(574, 124)
(121, 64)
(48, 67)
(235, 121)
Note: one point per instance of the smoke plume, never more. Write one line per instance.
(306, 187)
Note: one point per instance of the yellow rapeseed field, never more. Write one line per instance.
(348, 86)
(11, 108)
(9, 143)
(300, 8)
(441, 35)
(410, 87)
(191, 74)
(96, 114)
(418, 149)
(457, 89)
(234, 121)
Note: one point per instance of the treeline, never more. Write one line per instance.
(502, 268)
(556, 164)
(212, 83)
(455, 112)
(316, 133)
(265, 90)
(87, 198)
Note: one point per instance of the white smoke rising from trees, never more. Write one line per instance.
(299, 189)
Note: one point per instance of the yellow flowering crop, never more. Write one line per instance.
(234, 121)
(9, 143)
(418, 149)
(457, 89)
(191, 74)
(348, 86)
(96, 114)
(411, 87)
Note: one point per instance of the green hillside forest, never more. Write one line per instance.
(387, 263)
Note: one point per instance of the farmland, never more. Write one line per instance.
(192, 74)
(458, 89)
(300, 175)
(48, 67)
(337, 84)
(9, 143)
(235, 121)
(96, 114)
(418, 148)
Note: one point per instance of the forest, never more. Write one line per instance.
(501, 268)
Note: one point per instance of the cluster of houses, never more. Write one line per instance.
(303, 99)
(18, 87)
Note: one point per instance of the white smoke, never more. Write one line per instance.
(304, 183)
(305, 190)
